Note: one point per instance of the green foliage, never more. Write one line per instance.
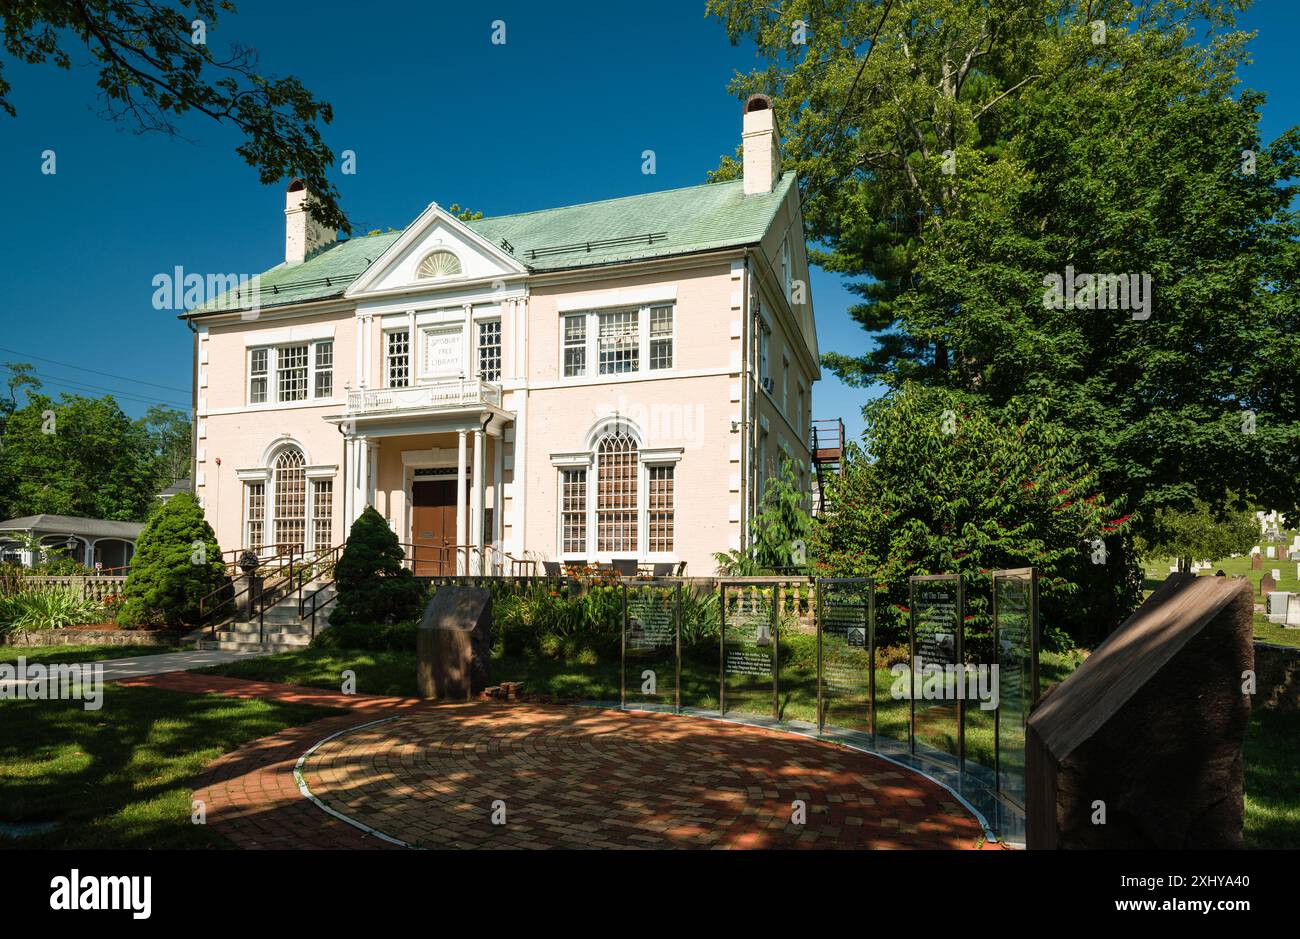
(982, 147)
(957, 488)
(392, 637)
(1199, 533)
(81, 456)
(778, 533)
(465, 215)
(47, 607)
(373, 585)
(151, 72)
(177, 562)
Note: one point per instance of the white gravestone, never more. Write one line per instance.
(1293, 611)
(1270, 552)
(1277, 605)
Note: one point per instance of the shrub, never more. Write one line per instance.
(49, 607)
(177, 562)
(393, 637)
(373, 585)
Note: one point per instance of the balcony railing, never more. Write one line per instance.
(450, 393)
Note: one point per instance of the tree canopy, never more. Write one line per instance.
(155, 65)
(971, 165)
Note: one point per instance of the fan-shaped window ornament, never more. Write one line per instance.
(438, 264)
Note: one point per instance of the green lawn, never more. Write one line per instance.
(1156, 572)
(1272, 760)
(121, 777)
(58, 655)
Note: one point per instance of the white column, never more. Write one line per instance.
(467, 347)
(476, 504)
(498, 494)
(348, 514)
(460, 500)
(372, 473)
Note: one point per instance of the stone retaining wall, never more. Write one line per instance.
(93, 637)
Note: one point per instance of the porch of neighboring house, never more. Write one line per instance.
(106, 546)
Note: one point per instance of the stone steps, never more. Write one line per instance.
(281, 629)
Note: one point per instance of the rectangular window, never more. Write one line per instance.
(764, 338)
(575, 345)
(489, 350)
(661, 337)
(617, 514)
(399, 359)
(291, 373)
(254, 514)
(619, 344)
(785, 267)
(322, 513)
(660, 521)
(257, 375)
(573, 511)
(325, 369)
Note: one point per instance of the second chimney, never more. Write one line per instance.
(760, 145)
(303, 235)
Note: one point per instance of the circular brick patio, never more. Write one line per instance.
(581, 778)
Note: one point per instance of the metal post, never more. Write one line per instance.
(911, 667)
(961, 665)
(997, 711)
(677, 617)
(722, 649)
(776, 652)
(817, 622)
(871, 660)
(622, 655)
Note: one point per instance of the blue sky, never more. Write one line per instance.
(558, 115)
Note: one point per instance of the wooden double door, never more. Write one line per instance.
(433, 527)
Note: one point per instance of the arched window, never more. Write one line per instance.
(441, 263)
(616, 496)
(290, 488)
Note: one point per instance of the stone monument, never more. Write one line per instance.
(454, 644)
(1141, 746)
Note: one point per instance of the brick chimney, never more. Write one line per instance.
(760, 145)
(303, 235)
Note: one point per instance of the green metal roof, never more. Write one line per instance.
(631, 228)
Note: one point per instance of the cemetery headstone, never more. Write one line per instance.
(1150, 728)
(1276, 606)
(1256, 563)
(1272, 551)
(453, 644)
(1293, 610)
(1277, 574)
(1266, 585)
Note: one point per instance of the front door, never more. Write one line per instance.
(433, 524)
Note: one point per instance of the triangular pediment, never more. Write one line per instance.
(436, 251)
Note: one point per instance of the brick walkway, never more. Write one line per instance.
(566, 777)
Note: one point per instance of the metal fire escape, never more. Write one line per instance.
(827, 448)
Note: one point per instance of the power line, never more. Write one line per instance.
(81, 368)
(55, 382)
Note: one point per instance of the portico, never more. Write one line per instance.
(435, 472)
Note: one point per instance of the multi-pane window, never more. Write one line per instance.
(398, 362)
(660, 510)
(291, 373)
(661, 337)
(619, 342)
(489, 350)
(324, 369)
(257, 374)
(764, 339)
(573, 511)
(616, 496)
(290, 499)
(785, 267)
(785, 386)
(322, 514)
(255, 515)
(575, 345)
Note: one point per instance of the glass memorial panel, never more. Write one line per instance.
(845, 609)
(650, 648)
(1014, 630)
(797, 669)
(749, 645)
(936, 655)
